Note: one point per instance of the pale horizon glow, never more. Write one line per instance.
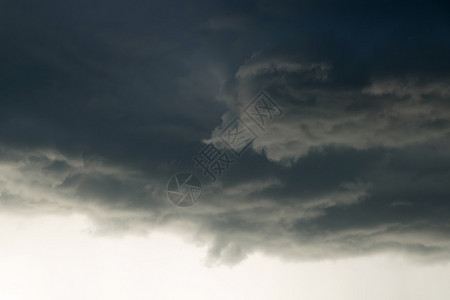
(224, 150)
(52, 257)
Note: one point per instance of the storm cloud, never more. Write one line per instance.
(103, 102)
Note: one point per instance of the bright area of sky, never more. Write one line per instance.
(55, 258)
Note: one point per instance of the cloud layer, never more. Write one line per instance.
(102, 103)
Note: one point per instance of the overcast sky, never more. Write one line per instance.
(102, 102)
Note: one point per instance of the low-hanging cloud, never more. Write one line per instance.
(101, 107)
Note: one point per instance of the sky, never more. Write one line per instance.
(206, 149)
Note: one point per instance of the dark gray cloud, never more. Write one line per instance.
(101, 103)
